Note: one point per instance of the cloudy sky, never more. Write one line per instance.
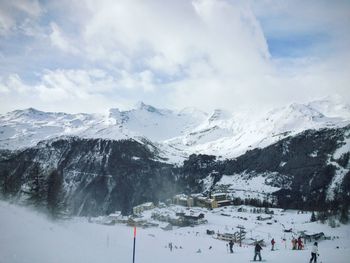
(88, 55)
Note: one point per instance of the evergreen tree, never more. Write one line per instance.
(55, 194)
(331, 222)
(266, 210)
(344, 214)
(37, 188)
(322, 216)
(313, 217)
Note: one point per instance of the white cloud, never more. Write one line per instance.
(19, 14)
(174, 34)
(30, 7)
(203, 53)
(73, 90)
(60, 41)
(193, 43)
(143, 80)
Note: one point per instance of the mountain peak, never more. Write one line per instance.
(29, 112)
(220, 114)
(142, 106)
(305, 110)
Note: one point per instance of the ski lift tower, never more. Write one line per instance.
(241, 233)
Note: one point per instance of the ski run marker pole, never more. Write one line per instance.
(133, 252)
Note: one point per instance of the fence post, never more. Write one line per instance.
(133, 252)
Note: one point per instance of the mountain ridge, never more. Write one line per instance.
(310, 170)
(177, 133)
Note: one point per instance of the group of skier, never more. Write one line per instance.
(297, 244)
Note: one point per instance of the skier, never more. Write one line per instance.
(171, 246)
(300, 243)
(273, 244)
(231, 246)
(257, 250)
(294, 243)
(314, 253)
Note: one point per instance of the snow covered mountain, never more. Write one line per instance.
(98, 176)
(298, 154)
(177, 134)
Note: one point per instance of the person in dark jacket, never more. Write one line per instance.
(171, 246)
(314, 253)
(231, 246)
(257, 250)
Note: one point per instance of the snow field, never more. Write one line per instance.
(27, 236)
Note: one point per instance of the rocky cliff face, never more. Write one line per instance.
(86, 176)
(310, 169)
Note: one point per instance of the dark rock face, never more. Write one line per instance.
(306, 158)
(88, 177)
(195, 169)
(96, 176)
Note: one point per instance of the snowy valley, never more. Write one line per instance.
(88, 167)
(27, 236)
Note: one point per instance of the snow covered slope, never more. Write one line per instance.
(177, 134)
(28, 237)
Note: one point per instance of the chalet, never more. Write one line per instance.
(219, 196)
(215, 200)
(263, 218)
(224, 203)
(225, 236)
(190, 219)
(184, 200)
(241, 209)
(310, 237)
(193, 216)
(221, 199)
(238, 236)
(206, 202)
(181, 219)
(210, 232)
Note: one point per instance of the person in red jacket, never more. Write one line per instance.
(273, 244)
(300, 243)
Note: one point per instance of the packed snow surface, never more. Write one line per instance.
(27, 236)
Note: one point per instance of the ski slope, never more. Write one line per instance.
(27, 236)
